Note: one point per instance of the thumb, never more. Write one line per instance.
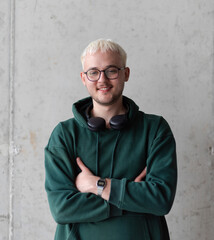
(81, 164)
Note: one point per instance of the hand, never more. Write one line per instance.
(85, 180)
(141, 176)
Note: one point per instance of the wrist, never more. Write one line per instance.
(106, 190)
(101, 184)
(94, 185)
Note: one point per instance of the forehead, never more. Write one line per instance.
(101, 60)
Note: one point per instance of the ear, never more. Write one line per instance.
(127, 73)
(83, 76)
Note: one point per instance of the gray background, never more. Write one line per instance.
(170, 54)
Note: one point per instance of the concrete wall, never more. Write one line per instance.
(170, 53)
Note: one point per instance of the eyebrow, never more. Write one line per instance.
(96, 68)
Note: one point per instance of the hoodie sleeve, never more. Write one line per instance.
(156, 194)
(67, 204)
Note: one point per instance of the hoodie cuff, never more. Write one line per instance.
(115, 211)
(117, 192)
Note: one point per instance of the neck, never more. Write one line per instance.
(107, 112)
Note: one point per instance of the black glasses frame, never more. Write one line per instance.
(104, 71)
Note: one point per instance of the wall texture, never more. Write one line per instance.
(170, 53)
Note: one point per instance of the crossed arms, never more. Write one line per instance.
(71, 194)
(86, 181)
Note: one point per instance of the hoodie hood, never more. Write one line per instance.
(80, 107)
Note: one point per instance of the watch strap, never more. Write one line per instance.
(101, 183)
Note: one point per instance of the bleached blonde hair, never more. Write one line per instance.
(104, 45)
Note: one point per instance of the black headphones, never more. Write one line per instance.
(97, 123)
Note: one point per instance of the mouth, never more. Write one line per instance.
(104, 89)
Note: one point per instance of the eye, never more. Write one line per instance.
(112, 70)
(93, 72)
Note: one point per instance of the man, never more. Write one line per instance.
(111, 170)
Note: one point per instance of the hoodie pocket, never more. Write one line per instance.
(73, 235)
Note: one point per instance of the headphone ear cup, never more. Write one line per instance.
(96, 124)
(118, 122)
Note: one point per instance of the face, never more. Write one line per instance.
(104, 91)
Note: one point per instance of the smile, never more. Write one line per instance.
(104, 88)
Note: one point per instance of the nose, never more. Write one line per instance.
(103, 77)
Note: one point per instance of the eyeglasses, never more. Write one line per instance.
(110, 73)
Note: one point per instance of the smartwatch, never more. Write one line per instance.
(101, 183)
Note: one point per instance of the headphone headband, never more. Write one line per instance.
(97, 123)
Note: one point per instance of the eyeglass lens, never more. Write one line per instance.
(110, 73)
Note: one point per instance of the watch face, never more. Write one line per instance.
(101, 183)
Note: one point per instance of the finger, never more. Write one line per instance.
(82, 165)
(143, 173)
(137, 179)
(141, 176)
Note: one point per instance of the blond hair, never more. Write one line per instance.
(104, 45)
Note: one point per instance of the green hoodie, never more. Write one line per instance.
(135, 211)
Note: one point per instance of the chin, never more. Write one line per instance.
(106, 102)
